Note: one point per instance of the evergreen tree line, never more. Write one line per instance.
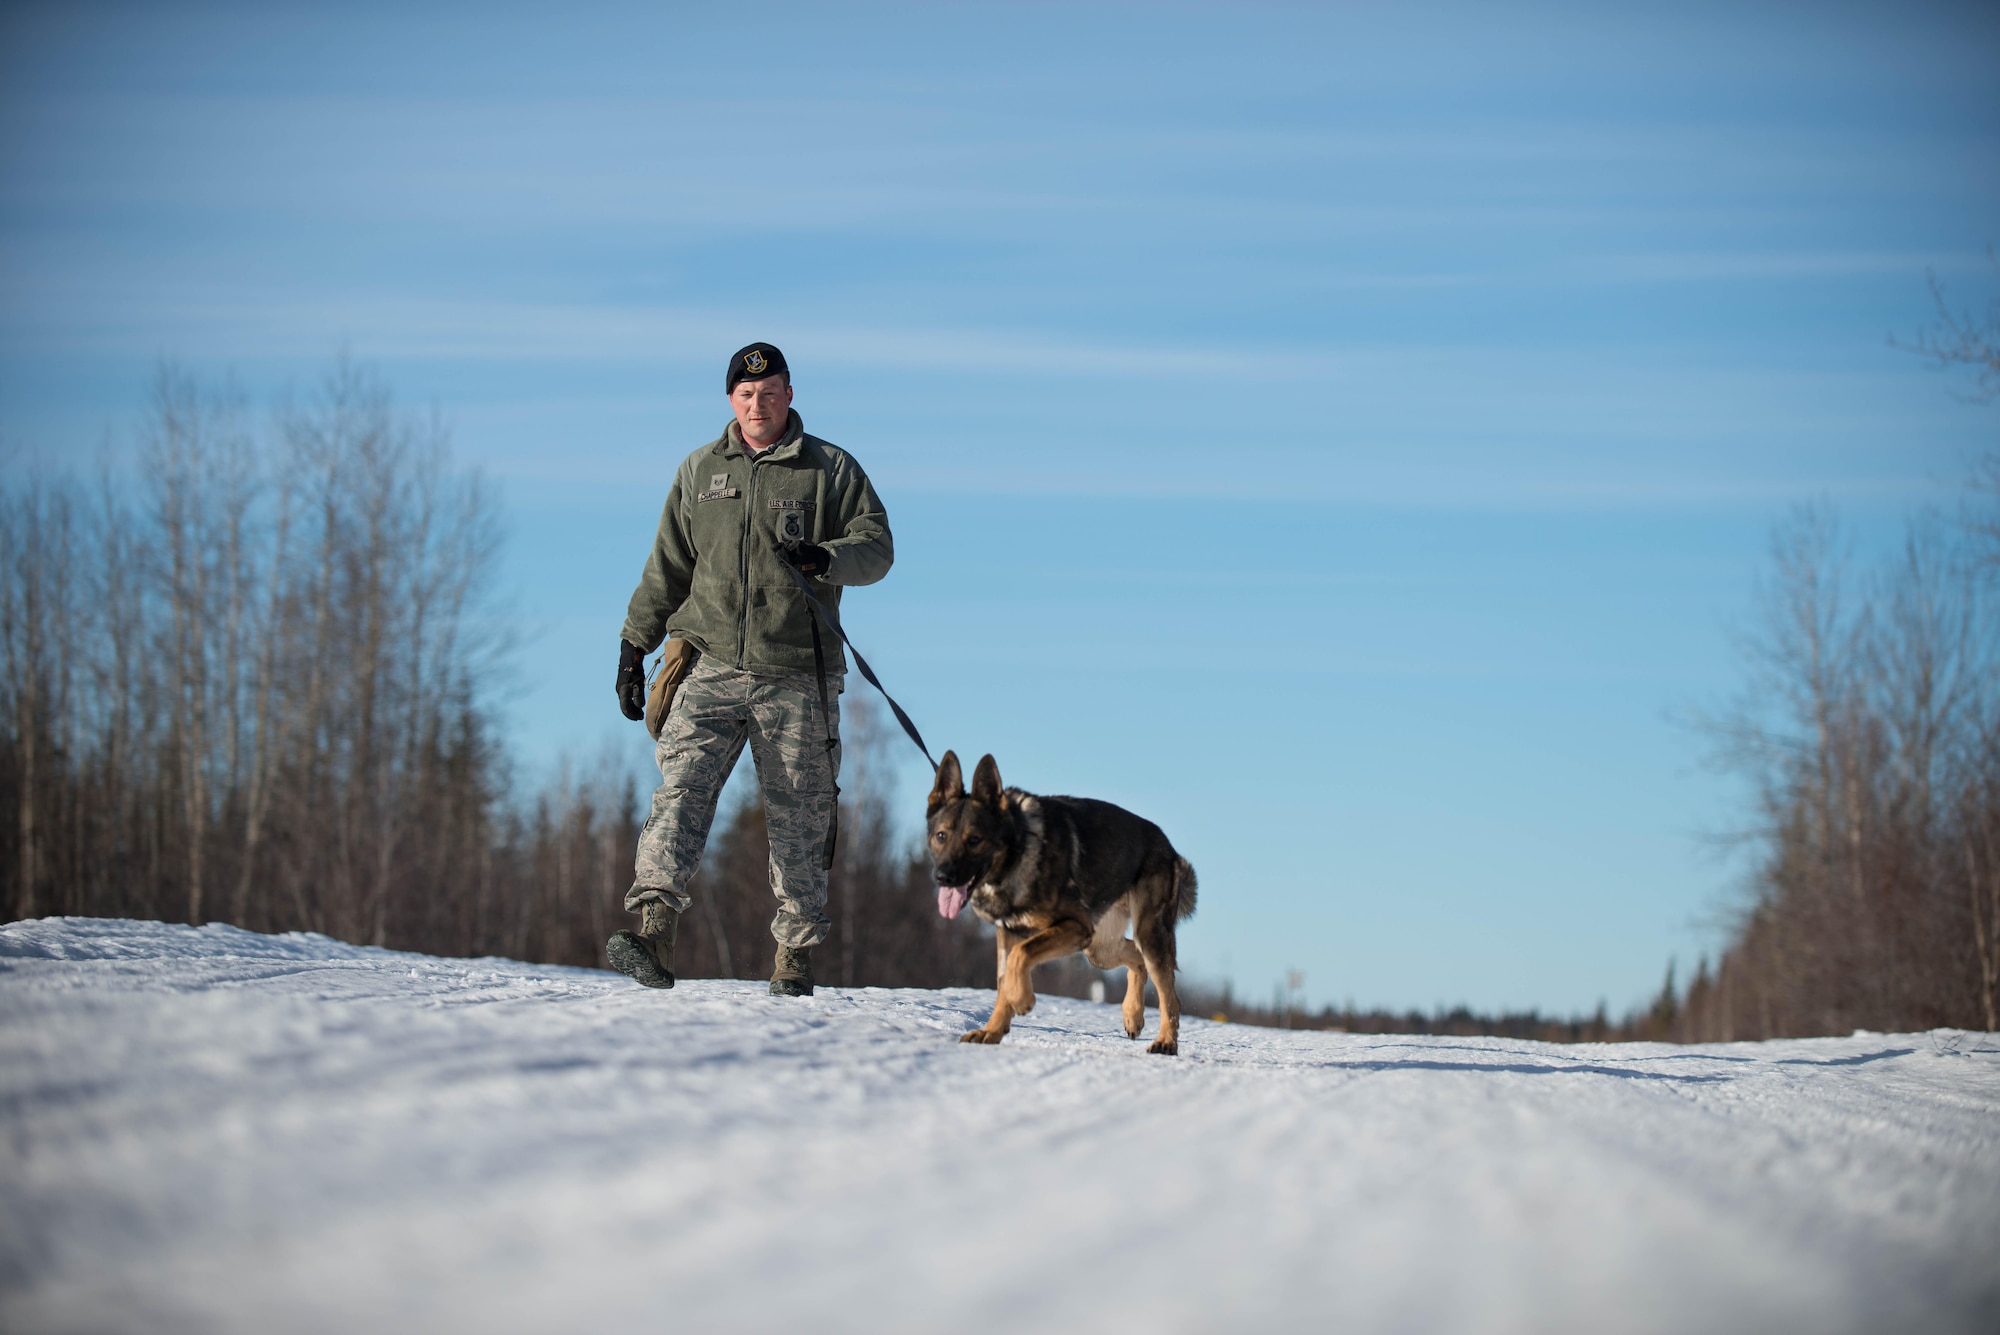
(1222, 1003)
(248, 679)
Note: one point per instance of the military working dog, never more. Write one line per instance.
(1055, 875)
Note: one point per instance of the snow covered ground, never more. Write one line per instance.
(214, 1130)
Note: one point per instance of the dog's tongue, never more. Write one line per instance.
(951, 899)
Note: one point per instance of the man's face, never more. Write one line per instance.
(762, 408)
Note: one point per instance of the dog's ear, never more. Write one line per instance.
(986, 782)
(950, 785)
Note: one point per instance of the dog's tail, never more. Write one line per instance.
(1184, 888)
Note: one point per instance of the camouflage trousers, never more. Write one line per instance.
(716, 710)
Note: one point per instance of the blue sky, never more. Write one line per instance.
(1345, 434)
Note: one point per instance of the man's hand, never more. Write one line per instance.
(807, 558)
(631, 680)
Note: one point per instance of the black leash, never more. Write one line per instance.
(819, 675)
(819, 665)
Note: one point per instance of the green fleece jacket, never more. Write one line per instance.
(714, 576)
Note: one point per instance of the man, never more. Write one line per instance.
(762, 496)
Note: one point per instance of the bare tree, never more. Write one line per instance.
(1866, 737)
(252, 684)
(1957, 339)
(198, 463)
(38, 547)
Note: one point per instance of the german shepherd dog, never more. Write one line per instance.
(1055, 875)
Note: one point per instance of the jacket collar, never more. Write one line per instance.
(787, 445)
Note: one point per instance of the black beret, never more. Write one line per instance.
(754, 363)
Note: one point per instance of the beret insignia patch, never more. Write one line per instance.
(753, 363)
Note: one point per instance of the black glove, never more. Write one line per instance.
(631, 680)
(807, 558)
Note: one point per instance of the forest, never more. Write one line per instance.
(250, 681)
(248, 678)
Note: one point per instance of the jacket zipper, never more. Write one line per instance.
(743, 549)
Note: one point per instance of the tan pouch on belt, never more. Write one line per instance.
(675, 660)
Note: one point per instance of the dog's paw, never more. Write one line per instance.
(1133, 1026)
(981, 1036)
(1166, 1047)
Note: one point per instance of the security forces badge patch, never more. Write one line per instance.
(792, 526)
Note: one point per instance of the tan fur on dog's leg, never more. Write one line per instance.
(1023, 988)
(1134, 1011)
(1169, 1041)
(1156, 942)
(1125, 954)
(1003, 1015)
(1065, 938)
(1109, 949)
(1016, 993)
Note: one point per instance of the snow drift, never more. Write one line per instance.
(208, 1129)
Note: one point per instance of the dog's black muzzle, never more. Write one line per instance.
(961, 871)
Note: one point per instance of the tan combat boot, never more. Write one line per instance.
(793, 974)
(647, 956)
